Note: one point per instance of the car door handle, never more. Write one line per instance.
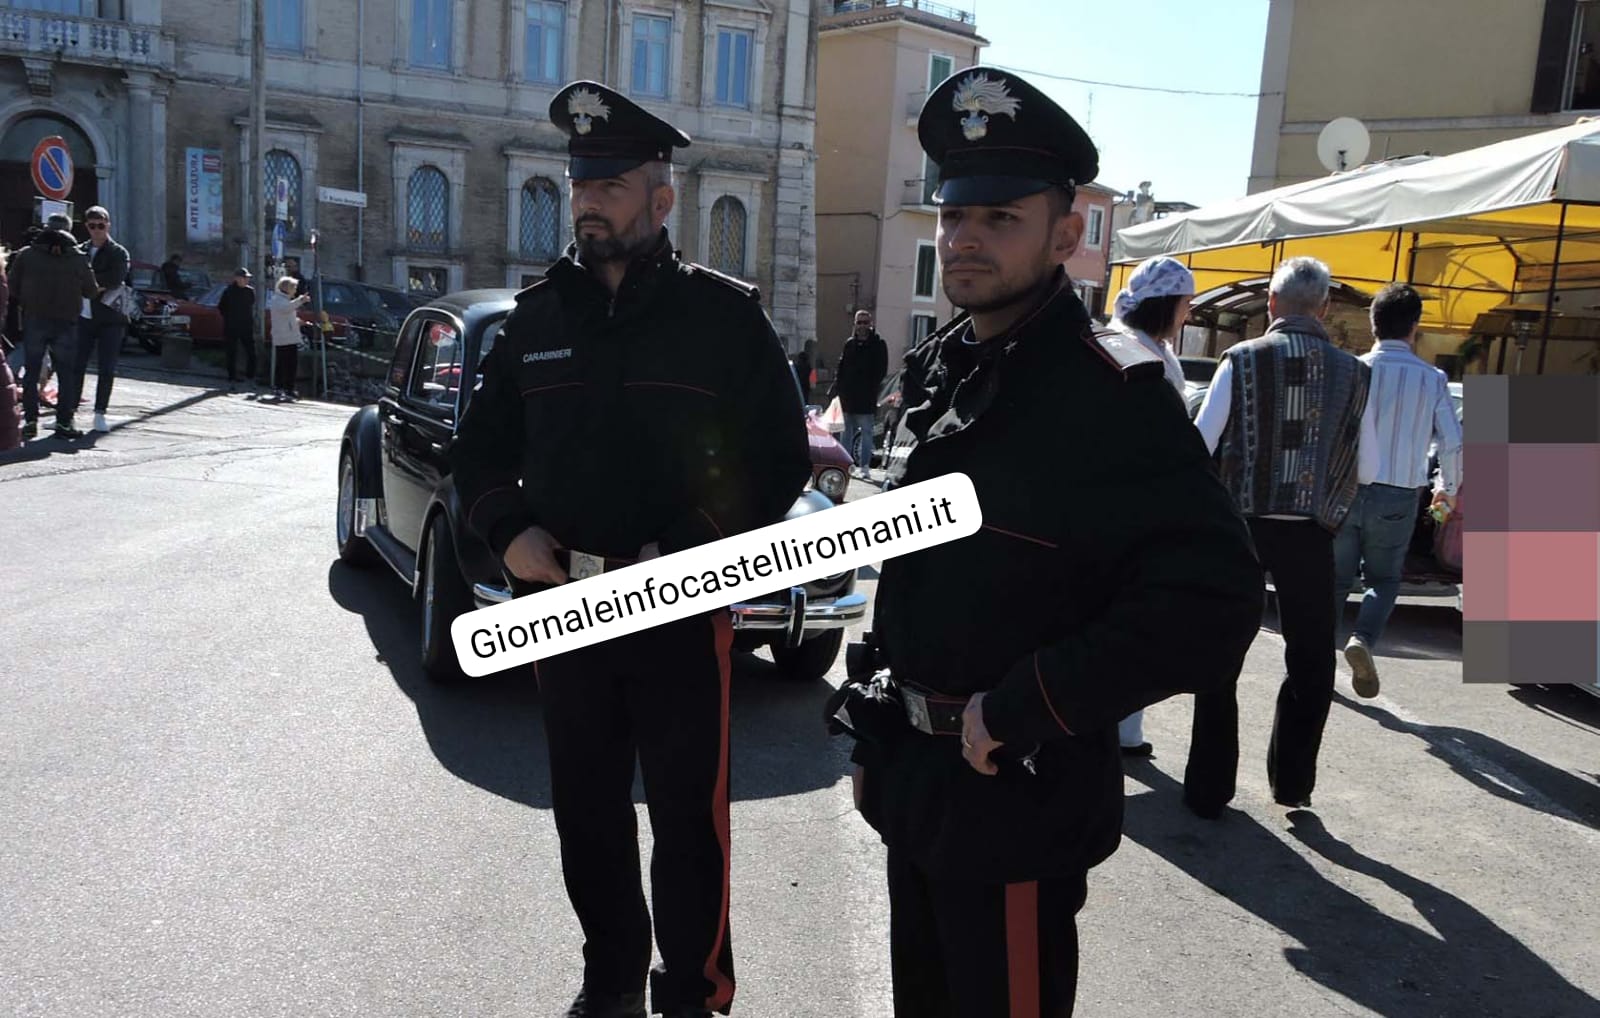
(438, 447)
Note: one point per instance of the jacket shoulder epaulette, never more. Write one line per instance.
(698, 271)
(1124, 353)
(533, 289)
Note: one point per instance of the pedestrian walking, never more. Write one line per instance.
(1117, 576)
(1412, 410)
(635, 405)
(862, 366)
(172, 276)
(10, 392)
(1152, 309)
(804, 371)
(237, 306)
(283, 313)
(102, 333)
(50, 279)
(1289, 418)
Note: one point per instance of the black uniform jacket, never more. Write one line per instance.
(1111, 572)
(666, 414)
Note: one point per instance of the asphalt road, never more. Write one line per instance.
(229, 791)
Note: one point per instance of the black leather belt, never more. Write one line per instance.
(929, 711)
(581, 565)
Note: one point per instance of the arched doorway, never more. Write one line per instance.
(16, 182)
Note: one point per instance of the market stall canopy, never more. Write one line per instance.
(1469, 230)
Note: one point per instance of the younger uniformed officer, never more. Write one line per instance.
(1111, 572)
(635, 405)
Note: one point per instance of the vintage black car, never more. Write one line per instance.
(398, 504)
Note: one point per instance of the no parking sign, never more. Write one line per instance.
(52, 168)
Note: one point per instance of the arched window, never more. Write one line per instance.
(428, 211)
(540, 239)
(726, 250)
(281, 166)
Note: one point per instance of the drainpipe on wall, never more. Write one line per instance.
(361, 136)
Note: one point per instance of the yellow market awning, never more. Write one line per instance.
(1469, 230)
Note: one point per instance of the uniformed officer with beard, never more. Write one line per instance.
(1111, 572)
(635, 405)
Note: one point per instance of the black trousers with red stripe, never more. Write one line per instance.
(965, 949)
(661, 697)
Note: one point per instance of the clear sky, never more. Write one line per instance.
(1193, 148)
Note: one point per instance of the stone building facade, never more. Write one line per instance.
(435, 110)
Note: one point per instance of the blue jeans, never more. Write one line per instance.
(1374, 539)
(858, 438)
(60, 337)
(106, 339)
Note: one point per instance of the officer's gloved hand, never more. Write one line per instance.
(869, 711)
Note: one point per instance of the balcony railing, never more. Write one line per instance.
(935, 9)
(82, 40)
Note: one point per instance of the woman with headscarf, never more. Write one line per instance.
(1152, 309)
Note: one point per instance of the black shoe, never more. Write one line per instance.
(687, 1012)
(1142, 749)
(67, 431)
(1204, 810)
(1304, 802)
(592, 1004)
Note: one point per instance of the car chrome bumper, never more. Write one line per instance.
(799, 614)
(796, 615)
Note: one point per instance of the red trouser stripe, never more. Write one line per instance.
(1022, 948)
(722, 992)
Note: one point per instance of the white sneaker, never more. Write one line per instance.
(1363, 670)
(100, 424)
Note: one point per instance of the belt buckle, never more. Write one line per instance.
(917, 710)
(585, 565)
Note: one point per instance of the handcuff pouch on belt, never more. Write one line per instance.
(869, 711)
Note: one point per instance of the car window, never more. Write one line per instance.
(1198, 369)
(486, 341)
(395, 301)
(404, 352)
(340, 296)
(437, 377)
(212, 296)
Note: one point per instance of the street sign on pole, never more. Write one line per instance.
(339, 196)
(52, 168)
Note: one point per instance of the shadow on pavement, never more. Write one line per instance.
(47, 445)
(489, 731)
(1462, 964)
(1477, 757)
(1572, 705)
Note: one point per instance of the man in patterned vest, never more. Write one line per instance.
(1287, 416)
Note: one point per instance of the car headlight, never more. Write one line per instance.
(832, 483)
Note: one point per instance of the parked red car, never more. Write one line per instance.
(204, 321)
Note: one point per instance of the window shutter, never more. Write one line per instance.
(1555, 43)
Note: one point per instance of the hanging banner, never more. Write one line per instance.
(202, 185)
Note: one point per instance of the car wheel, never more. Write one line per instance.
(443, 596)
(353, 548)
(811, 660)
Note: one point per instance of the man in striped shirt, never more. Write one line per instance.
(1413, 409)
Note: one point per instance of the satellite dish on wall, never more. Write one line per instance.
(1342, 144)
